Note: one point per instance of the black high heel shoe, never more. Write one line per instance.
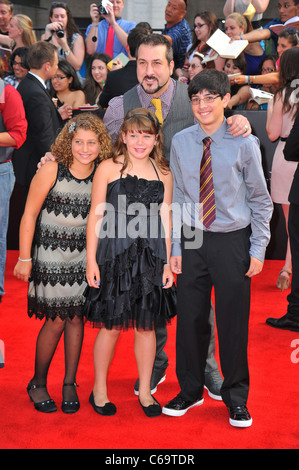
(70, 406)
(153, 410)
(47, 406)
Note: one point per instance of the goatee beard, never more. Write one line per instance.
(153, 91)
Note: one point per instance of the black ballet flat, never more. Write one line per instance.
(109, 409)
(47, 406)
(70, 407)
(153, 410)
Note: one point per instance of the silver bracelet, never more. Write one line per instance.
(29, 259)
(166, 264)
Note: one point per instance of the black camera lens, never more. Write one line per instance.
(60, 33)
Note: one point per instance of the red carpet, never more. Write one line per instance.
(273, 400)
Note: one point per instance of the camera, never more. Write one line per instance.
(102, 9)
(60, 33)
(102, 5)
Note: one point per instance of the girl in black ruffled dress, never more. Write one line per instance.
(128, 251)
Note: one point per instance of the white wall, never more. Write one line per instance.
(145, 10)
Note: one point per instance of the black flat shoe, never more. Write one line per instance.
(153, 410)
(109, 409)
(70, 407)
(47, 406)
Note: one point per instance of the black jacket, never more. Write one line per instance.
(44, 124)
(118, 82)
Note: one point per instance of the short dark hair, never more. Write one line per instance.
(212, 80)
(134, 38)
(145, 26)
(157, 40)
(21, 52)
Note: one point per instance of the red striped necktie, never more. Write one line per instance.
(206, 192)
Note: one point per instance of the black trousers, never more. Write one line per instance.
(293, 228)
(221, 261)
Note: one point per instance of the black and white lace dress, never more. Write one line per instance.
(59, 249)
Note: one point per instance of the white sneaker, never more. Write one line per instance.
(179, 406)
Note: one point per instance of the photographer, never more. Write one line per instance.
(110, 34)
(64, 34)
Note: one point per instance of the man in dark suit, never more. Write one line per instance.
(44, 120)
(121, 80)
(290, 321)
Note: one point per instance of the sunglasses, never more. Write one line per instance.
(59, 4)
(21, 64)
(293, 32)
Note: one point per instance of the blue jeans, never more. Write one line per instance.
(7, 181)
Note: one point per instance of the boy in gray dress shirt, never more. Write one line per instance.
(224, 253)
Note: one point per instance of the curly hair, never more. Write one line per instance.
(62, 148)
(144, 121)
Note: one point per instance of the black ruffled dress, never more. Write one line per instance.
(131, 255)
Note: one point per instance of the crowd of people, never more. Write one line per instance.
(108, 136)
